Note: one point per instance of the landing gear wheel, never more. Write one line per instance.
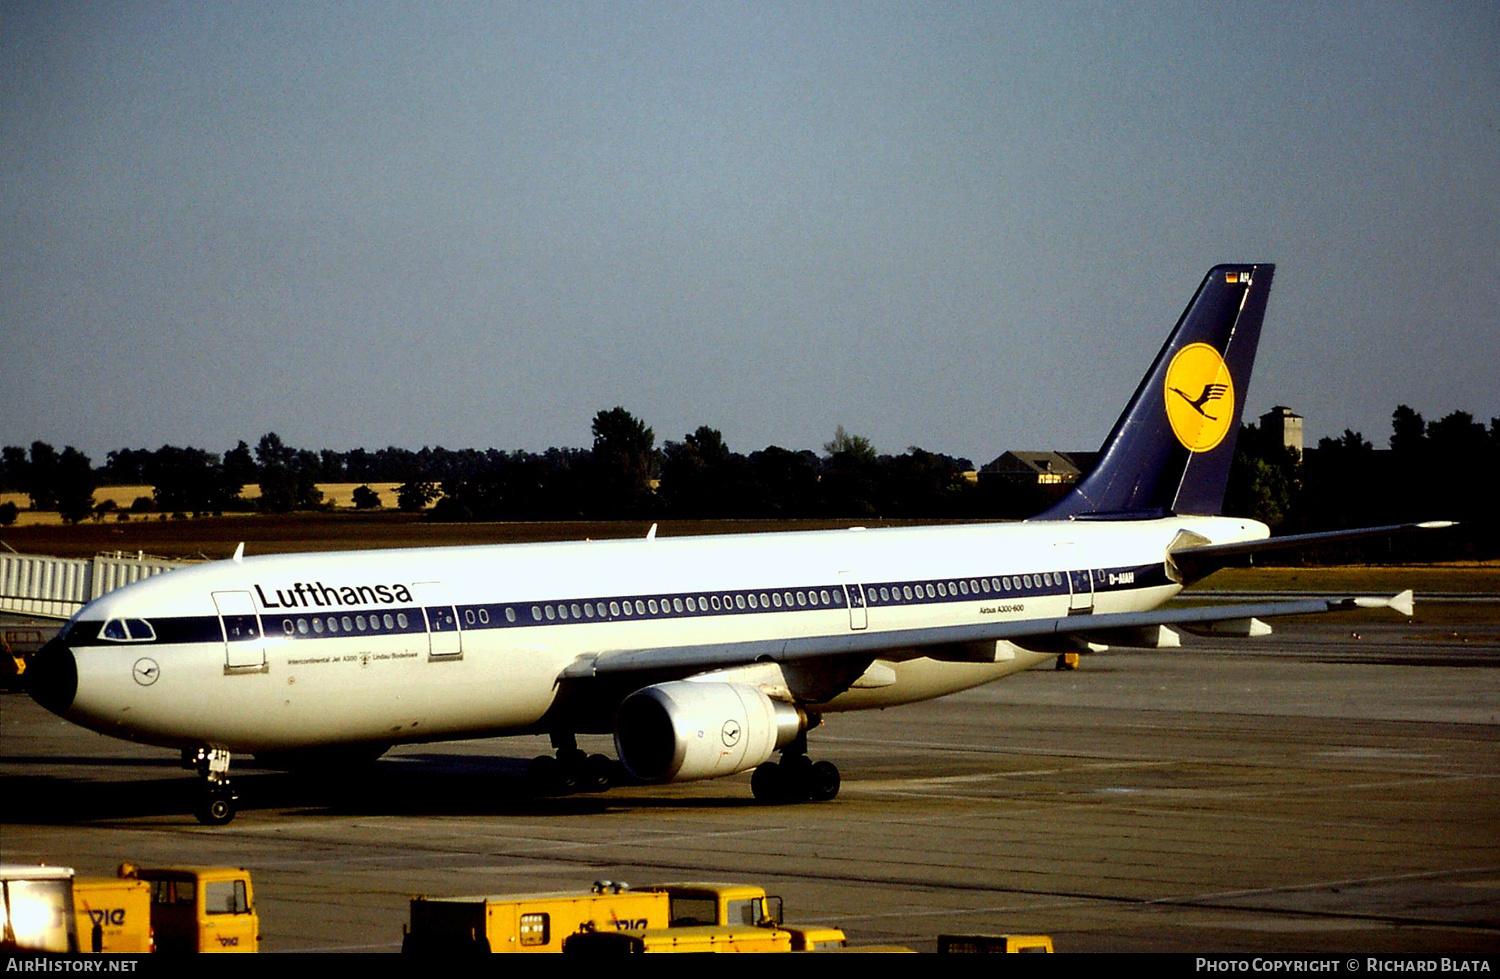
(598, 774)
(768, 783)
(796, 766)
(569, 773)
(796, 777)
(823, 782)
(542, 775)
(216, 808)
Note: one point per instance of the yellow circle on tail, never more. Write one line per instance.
(1200, 397)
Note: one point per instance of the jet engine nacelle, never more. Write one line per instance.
(689, 729)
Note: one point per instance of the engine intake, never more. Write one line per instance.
(688, 729)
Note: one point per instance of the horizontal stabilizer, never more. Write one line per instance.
(1196, 561)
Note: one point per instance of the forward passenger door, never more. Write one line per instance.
(244, 647)
(444, 638)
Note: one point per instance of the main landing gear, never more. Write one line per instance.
(216, 803)
(570, 770)
(797, 778)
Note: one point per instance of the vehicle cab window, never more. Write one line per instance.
(173, 892)
(225, 897)
(693, 911)
(745, 912)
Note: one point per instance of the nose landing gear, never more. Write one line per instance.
(216, 802)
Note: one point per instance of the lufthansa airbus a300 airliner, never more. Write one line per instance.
(705, 656)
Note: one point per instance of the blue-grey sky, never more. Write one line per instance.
(961, 226)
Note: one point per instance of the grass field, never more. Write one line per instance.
(1460, 578)
(339, 495)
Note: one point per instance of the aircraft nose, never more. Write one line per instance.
(52, 677)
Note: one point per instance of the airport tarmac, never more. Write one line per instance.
(1335, 787)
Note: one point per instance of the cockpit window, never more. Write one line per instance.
(140, 629)
(128, 630)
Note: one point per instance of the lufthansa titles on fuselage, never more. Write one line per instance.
(318, 595)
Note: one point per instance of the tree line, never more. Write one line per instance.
(1445, 469)
(623, 474)
(1440, 469)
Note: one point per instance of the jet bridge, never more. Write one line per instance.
(56, 588)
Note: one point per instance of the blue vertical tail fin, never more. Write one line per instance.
(1169, 453)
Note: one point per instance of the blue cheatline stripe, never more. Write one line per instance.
(323, 623)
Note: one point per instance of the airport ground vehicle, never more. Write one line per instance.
(542, 922)
(37, 904)
(114, 915)
(16, 644)
(971, 944)
(815, 938)
(708, 903)
(741, 904)
(537, 922)
(200, 909)
(690, 939)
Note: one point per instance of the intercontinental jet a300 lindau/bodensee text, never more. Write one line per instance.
(705, 656)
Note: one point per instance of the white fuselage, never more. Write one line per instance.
(293, 651)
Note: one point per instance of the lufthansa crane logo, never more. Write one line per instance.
(730, 733)
(145, 671)
(1200, 397)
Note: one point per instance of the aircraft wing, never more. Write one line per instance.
(712, 656)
